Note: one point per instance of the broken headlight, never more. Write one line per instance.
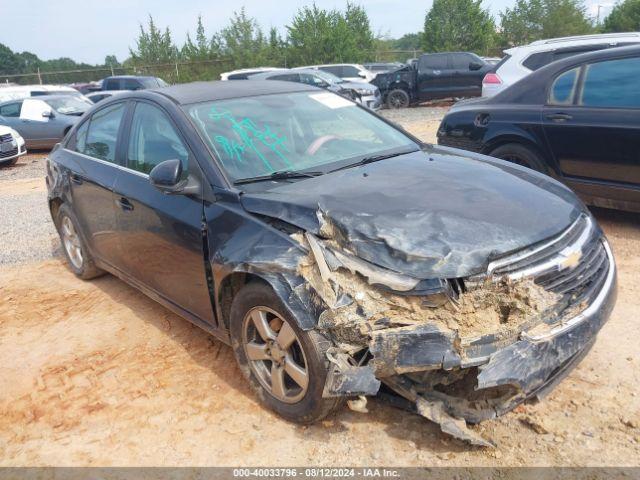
(436, 291)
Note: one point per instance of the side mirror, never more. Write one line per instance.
(47, 114)
(362, 75)
(166, 177)
(475, 66)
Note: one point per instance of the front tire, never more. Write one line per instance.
(78, 256)
(286, 367)
(398, 98)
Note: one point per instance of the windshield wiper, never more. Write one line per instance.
(278, 175)
(373, 158)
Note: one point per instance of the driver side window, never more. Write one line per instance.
(153, 140)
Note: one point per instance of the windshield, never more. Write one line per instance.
(256, 136)
(69, 105)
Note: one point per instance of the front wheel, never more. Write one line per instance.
(398, 98)
(285, 366)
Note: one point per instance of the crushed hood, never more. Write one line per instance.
(438, 213)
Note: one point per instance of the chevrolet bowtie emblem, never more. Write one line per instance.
(572, 259)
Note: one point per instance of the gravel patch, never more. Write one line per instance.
(27, 233)
(403, 116)
(31, 165)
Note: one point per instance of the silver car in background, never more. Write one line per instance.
(363, 93)
(44, 120)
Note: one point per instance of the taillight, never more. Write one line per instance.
(492, 79)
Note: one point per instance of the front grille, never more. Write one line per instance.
(10, 153)
(574, 263)
(6, 138)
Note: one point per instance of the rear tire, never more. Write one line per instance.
(78, 257)
(521, 155)
(257, 304)
(398, 98)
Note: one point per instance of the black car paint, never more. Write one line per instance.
(193, 252)
(424, 84)
(595, 151)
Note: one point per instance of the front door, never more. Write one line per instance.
(592, 126)
(161, 235)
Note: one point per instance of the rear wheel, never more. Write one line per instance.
(74, 248)
(286, 366)
(517, 153)
(398, 98)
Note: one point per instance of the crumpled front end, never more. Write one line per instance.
(461, 349)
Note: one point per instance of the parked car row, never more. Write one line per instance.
(576, 119)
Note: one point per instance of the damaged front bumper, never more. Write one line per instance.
(449, 380)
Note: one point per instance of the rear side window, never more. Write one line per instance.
(349, 71)
(538, 60)
(112, 84)
(11, 110)
(461, 61)
(433, 62)
(613, 83)
(335, 69)
(100, 139)
(564, 87)
(153, 140)
(131, 84)
(288, 77)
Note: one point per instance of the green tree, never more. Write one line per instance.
(531, 20)
(203, 48)
(153, 46)
(458, 25)
(243, 41)
(316, 35)
(625, 17)
(9, 61)
(111, 61)
(409, 41)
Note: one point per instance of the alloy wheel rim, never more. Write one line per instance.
(275, 355)
(71, 242)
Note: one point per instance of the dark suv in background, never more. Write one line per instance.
(132, 82)
(433, 76)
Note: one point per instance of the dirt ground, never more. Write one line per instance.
(95, 373)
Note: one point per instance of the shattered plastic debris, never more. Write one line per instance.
(405, 334)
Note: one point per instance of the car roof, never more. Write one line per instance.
(37, 97)
(536, 82)
(196, 92)
(129, 76)
(563, 42)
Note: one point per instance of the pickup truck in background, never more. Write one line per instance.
(433, 76)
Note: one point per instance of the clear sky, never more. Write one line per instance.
(87, 30)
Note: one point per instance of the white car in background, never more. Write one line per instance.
(17, 92)
(521, 61)
(351, 72)
(12, 146)
(244, 73)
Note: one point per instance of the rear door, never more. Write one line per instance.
(93, 169)
(434, 76)
(592, 125)
(161, 234)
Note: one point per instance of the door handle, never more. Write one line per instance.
(558, 117)
(76, 179)
(124, 204)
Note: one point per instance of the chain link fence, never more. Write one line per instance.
(175, 72)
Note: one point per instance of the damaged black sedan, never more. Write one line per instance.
(338, 255)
